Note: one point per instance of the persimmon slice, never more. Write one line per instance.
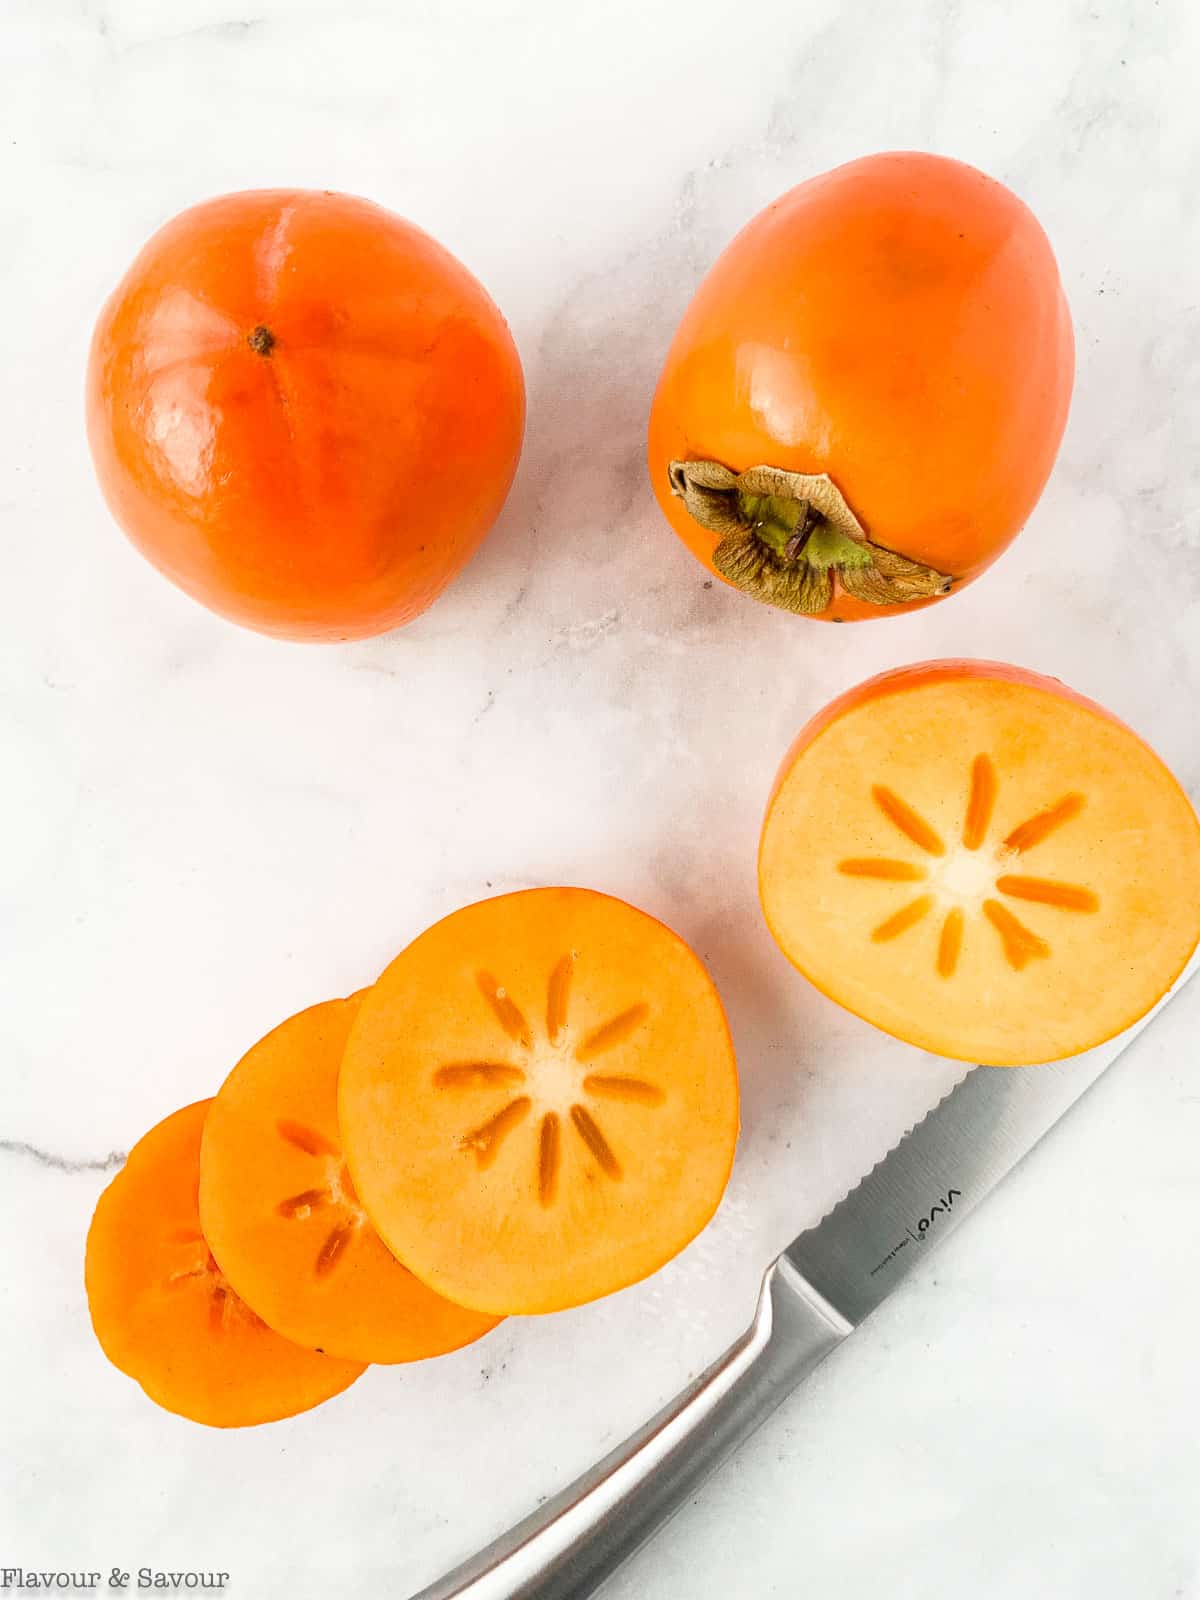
(164, 1312)
(982, 862)
(539, 1100)
(283, 1218)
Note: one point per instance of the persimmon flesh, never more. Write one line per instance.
(982, 862)
(539, 1101)
(165, 1313)
(282, 1217)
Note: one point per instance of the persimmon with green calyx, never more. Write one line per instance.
(304, 411)
(864, 400)
(164, 1312)
(281, 1215)
(982, 862)
(539, 1100)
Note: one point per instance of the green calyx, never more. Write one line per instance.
(788, 538)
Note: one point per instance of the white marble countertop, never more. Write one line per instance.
(208, 830)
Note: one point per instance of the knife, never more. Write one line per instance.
(820, 1289)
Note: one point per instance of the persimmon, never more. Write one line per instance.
(863, 402)
(281, 1215)
(164, 1312)
(304, 411)
(539, 1101)
(982, 862)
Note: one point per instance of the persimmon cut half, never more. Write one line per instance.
(539, 1100)
(982, 862)
(282, 1216)
(167, 1316)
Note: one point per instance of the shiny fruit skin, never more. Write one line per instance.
(898, 323)
(304, 411)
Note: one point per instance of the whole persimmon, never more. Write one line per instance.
(304, 411)
(865, 398)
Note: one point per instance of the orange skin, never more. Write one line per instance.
(329, 479)
(899, 324)
(897, 679)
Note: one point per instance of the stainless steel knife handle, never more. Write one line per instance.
(568, 1547)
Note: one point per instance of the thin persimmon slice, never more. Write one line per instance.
(167, 1316)
(982, 862)
(282, 1217)
(539, 1100)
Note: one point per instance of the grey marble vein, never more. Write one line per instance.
(57, 1163)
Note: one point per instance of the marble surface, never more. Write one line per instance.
(207, 830)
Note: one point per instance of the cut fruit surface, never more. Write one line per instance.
(981, 862)
(539, 1101)
(166, 1315)
(282, 1217)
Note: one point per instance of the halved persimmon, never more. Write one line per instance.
(165, 1314)
(282, 1217)
(982, 862)
(539, 1100)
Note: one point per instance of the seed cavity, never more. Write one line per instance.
(1043, 823)
(301, 1206)
(218, 1308)
(586, 1126)
(306, 1139)
(904, 919)
(1021, 944)
(910, 822)
(950, 943)
(549, 1156)
(612, 1033)
(486, 1139)
(882, 867)
(477, 1075)
(557, 997)
(1067, 896)
(334, 1248)
(508, 1014)
(635, 1090)
(980, 802)
(223, 1305)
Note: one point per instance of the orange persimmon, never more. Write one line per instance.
(539, 1101)
(281, 1216)
(982, 862)
(865, 398)
(164, 1312)
(304, 411)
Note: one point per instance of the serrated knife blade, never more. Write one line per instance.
(931, 1180)
(814, 1296)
